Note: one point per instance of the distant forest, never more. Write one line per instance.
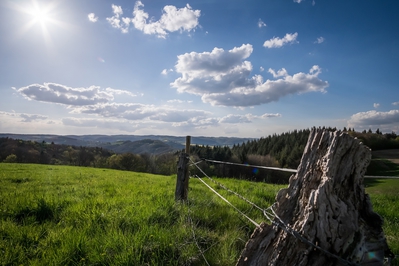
(278, 150)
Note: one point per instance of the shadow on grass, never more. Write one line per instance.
(371, 182)
(382, 167)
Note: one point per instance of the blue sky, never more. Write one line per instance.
(201, 68)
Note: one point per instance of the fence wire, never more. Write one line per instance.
(286, 169)
(271, 215)
(228, 202)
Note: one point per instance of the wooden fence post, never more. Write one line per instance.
(182, 173)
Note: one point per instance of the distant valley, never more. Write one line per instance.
(137, 144)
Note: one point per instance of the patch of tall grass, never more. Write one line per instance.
(63, 215)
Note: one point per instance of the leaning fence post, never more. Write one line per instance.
(182, 173)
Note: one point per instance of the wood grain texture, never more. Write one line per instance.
(326, 203)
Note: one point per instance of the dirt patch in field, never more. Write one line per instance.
(391, 155)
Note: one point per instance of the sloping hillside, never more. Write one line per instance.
(143, 146)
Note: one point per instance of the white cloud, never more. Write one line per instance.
(261, 69)
(376, 105)
(130, 111)
(298, 1)
(279, 42)
(248, 118)
(166, 71)
(92, 17)
(374, 118)
(57, 93)
(395, 103)
(173, 19)
(178, 101)
(280, 73)
(270, 115)
(233, 119)
(120, 92)
(115, 20)
(25, 117)
(32, 117)
(261, 23)
(223, 78)
(140, 112)
(216, 71)
(319, 40)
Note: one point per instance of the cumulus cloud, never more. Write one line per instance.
(137, 111)
(376, 105)
(92, 17)
(279, 42)
(374, 118)
(61, 94)
(395, 103)
(173, 19)
(261, 69)
(223, 78)
(261, 23)
(319, 40)
(298, 1)
(142, 113)
(216, 71)
(280, 73)
(117, 21)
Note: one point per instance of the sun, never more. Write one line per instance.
(40, 15)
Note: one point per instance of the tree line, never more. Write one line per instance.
(20, 151)
(277, 150)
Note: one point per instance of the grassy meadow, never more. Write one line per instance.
(62, 215)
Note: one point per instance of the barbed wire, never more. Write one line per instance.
(285, 169)
(228, 202)
(253, 166)
(229, 190)
(273, 218)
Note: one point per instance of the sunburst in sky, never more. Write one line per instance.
(37, 15)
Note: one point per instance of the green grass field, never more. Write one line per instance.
(61, 215)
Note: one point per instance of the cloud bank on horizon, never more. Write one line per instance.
(196, 68)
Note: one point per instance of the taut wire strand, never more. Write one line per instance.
(271, 215)
(288, 169)
(224, 199)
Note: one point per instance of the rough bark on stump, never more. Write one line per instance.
(326, 203)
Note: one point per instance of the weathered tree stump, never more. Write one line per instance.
(326, 204)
